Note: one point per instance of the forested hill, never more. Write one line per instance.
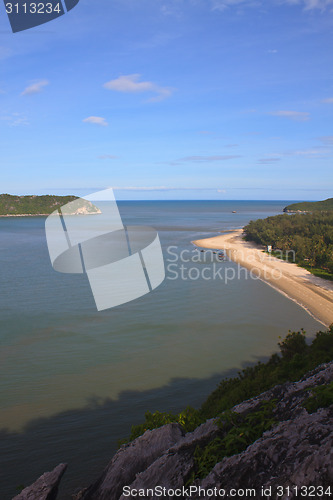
(38, 205)
(310, 206)
(309, 235)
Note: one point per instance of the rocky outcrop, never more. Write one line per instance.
(172, 468)
(131, 459)
(81, 207)
(46, 487)
(296, 452)
(296, 211)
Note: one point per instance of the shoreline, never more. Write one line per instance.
(25, 215)
(46, 215)
(313, 294)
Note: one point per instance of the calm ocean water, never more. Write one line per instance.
(73, 381)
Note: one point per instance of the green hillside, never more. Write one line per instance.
(310, 206)
(31, 205)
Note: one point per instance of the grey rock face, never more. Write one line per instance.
(296, 452)
(176, 463)
(46, 487)
(290, 395)
(131, 459)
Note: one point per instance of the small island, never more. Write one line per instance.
(310, 206)
(33, 205)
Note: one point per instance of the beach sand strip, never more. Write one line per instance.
(314, 294)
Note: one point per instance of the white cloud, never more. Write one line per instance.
(327, 139)
(222, 5)
(164, 188)
(170, 10)
(35, 88)
(268, 161)
(15, 119)
(209, 158)
(329, 100)
(19, 119)
(107, 157)
(131, 84)
(309, 153)
(300, 116)
(143, 188)
(311, 4)
(4, 52)
(96, 120)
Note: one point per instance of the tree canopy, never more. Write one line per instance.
(309, 235)
(310, 206)
(32, 205)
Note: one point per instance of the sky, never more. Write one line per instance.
(171, 99)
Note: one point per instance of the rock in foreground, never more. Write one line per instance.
(46, 487)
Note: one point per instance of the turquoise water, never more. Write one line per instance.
(73, 381)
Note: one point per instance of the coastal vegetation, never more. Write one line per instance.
(265, 440)
(296, 358)
(310, 206)
(321, 397)
(11, 206)
(308, 236)
(237, 430)
(32, 205)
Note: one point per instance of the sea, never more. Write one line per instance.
(74, 380)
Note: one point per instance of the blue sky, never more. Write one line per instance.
(171, 99)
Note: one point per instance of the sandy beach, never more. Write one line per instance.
(314, 294)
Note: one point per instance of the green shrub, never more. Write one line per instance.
(322, 346)
(294, 343)
(237, 433)
(322, 397)
(189, 419)
(295, 360)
